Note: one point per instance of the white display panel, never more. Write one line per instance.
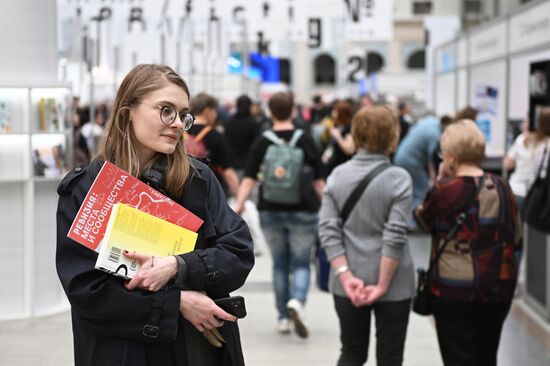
(530, 28)
(462, 91)
(14, 157)
(445, 88)
(12, 293)
(518, 105)
(30, 285)
(488, 43)
(487, 95)
(47, 292)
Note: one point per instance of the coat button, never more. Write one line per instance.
(77, 169)
(212, 277)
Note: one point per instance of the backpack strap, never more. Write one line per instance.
(359, 189)
(271, 136)
(295, 137)
(200, 135)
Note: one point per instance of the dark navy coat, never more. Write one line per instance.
(111, 325)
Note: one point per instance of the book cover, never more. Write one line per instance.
(6, 116)
(134, 230)
(48, 119)
(114, 185)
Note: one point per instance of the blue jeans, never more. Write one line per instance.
(291, 237)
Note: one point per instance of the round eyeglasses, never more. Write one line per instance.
(168, 116)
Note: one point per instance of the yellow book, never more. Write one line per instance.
(134, 230)
(42, 114)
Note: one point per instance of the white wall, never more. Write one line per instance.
(445, 94)
(28, 41)
(441, 30)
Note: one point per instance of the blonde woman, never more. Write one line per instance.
(473, 281)
(158, 317)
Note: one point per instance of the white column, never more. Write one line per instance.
(301, 72)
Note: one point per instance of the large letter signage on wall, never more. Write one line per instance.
(368, 20)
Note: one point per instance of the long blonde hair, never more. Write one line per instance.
(118, 144)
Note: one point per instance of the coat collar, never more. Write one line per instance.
(366, 155)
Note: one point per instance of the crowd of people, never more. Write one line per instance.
(299, 167)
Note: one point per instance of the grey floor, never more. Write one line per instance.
(48, 341)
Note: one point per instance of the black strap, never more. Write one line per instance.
(543, 163)
(358, 191)
(459, 221)
(151, 329)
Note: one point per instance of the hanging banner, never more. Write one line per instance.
(368, 20)
(299, 20)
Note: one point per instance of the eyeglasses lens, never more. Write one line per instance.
(168, 116)
(187, 120)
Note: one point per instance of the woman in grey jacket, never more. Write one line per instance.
(371, 265)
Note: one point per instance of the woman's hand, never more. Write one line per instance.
(201, 311)
(371, 294)
(155, 271)
(352, 286)
(336, 133)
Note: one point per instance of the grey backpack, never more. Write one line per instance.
(281, 169)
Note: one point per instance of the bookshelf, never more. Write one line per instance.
(35, 154)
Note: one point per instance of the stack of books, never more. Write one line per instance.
(120, 213)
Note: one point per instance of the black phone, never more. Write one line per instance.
(234, 305)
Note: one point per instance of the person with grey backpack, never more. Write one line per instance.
(287, 164)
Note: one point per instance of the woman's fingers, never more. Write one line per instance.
(201, 311)
(212, 338)
(134, 282)
(216, 333)
(223, 315)
(140, 257)
(154, 271)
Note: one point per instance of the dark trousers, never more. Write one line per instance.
(391, 329)
(469, 332)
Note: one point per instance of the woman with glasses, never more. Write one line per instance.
(156, 318)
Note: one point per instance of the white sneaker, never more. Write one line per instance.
(296, 313)
(283, 326)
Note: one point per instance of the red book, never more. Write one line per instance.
(114, 185)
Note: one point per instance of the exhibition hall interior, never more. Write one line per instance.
(170, 166)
